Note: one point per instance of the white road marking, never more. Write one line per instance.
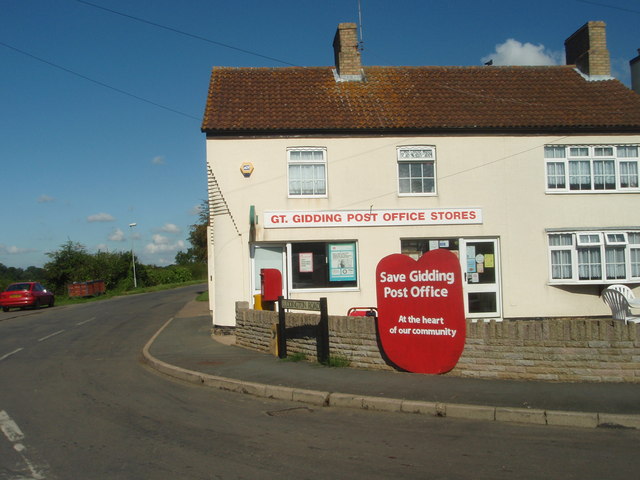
(86, 321)
(15, 435)
(32, 470)
(10, 428)
(4, 357)
(49, 336)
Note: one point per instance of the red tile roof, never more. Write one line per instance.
(391, 99)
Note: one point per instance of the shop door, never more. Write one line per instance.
(267, 256)
(480, 264)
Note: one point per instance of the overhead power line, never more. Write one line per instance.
(606, 5)
(186, 34)
(97, 82)
(124, 92)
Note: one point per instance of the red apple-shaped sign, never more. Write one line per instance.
(421, 320)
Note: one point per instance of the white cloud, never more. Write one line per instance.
(117, 236)
(160, 239)
(159, 160)
(195, 210)
(13, 250)
(45, 199)
(512, 52)
(100, 217)
(160, 244)
(170, 228)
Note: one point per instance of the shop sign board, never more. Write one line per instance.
(310, 305)
(372, 218)
(421, 320)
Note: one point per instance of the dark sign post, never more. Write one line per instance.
(323, 333)
(282, 330)
(322, 327)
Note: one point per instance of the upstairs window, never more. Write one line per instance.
(589, 168)
(307, 172)
(416, 170)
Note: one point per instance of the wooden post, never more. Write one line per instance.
(282, 330)
(323, 333)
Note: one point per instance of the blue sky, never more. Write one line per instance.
(100, 111)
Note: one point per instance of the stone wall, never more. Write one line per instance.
(570, 350)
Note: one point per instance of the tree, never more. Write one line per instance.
(197, 253)
(198, 240)
(72, 263)
(111, 267)
(12, 274)
(69, 264)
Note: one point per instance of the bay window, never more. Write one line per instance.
(594, 256)
(634, 254)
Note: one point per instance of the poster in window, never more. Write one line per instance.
(471, 265)
(306, 262)
(471, 259)
(342, 262)
(489, 260)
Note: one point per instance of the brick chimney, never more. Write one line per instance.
(587, 50)
(634, 64)
(346, 53)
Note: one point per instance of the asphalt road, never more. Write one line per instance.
(77, 403)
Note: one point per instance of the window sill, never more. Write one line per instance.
(324, 290)
(590, 192)
(604, 283)
(307, 196)
(417, 194)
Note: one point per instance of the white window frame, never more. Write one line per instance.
(634, 254)
(593, 160)
(307, 163)
(588, 239)
(614, 241)
(562, 247)
(601, 243)
(417, 160)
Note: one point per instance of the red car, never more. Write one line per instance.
(25, 294)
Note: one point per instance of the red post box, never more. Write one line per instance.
(270, 284)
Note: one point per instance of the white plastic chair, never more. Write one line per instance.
(623, 289)
(619, 305)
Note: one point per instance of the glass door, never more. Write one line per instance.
(267, 256)
(480, 262)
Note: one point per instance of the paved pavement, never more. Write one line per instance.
(184, 348)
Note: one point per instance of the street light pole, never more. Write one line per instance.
(133, 258)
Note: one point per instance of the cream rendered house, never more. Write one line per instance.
(529, 174)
